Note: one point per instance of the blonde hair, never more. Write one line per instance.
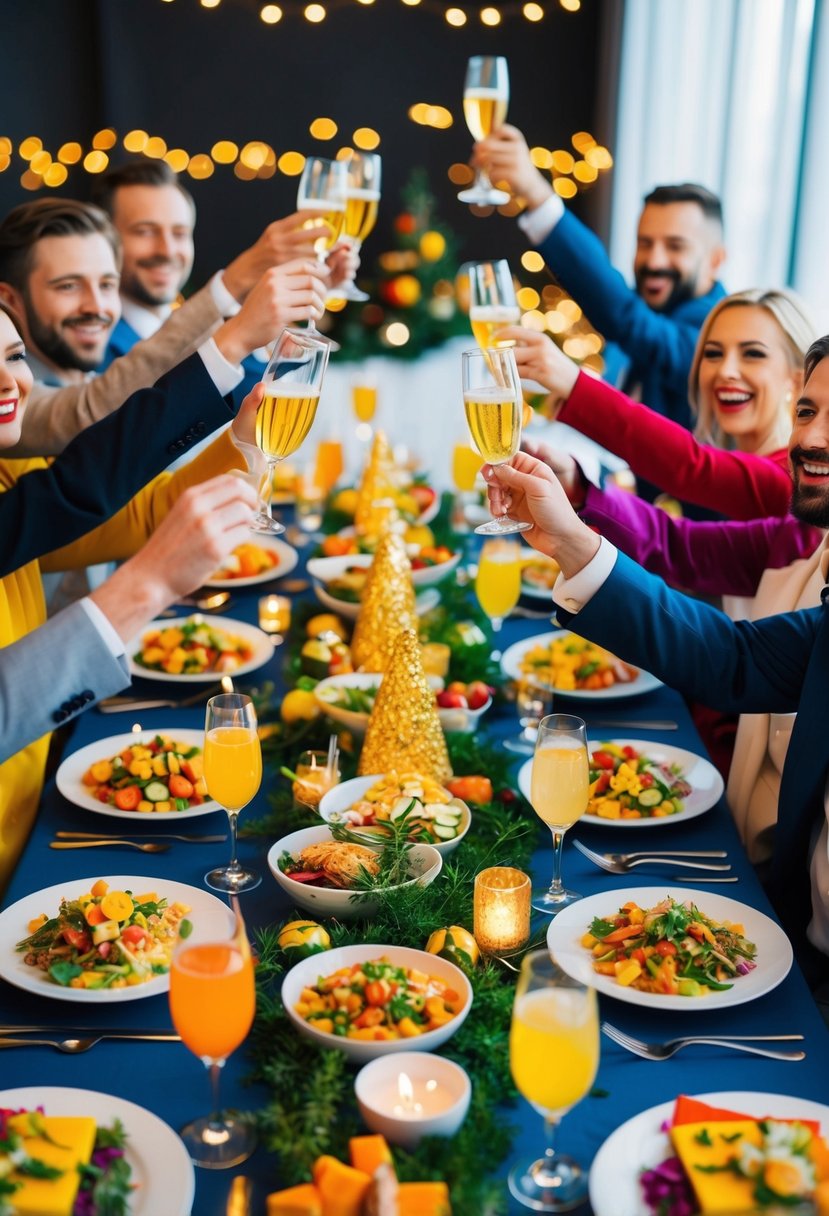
(797, 330)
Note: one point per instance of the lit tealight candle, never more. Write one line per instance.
(411, 1094)
(274, 613)
(501, 910)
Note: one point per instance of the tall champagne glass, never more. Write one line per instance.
(498, 581)
(559, 791)
(212, 1002)
(362, 202)
(485, 101)
(493, 404)
(233, 774)
(323, 184)
(492, 302)
(554, 1055)
(293, 382)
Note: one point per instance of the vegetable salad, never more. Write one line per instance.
(191, 648)
(671, 949)
(159, 775)
(626, 784)
(568, 662)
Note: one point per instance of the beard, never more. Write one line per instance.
(809, 503)
(683, 288)
(134, 288)
(56, 349)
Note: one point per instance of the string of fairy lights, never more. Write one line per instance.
(456, 16)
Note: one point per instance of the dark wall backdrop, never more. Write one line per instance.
(194, 76)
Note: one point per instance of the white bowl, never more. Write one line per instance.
(307, 972)
(425, 602)
(340, 797)
(426, 864)
(323, 569)
(376, 1087)
(464, 720)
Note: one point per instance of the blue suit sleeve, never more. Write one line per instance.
(735, 666)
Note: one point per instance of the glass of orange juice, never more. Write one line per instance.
(559, 790)
(498, 581)
(212, 1003)
(329, 464)
(233, 774)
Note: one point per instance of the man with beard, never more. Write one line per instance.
(651, 331)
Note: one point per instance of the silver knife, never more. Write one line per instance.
(114, 836)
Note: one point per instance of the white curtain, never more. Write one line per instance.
(722, 92)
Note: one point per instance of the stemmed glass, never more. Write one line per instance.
(212, 1002)
(498, 581)
(559, 790)
(533, 701)
(364, 404)
(492, 302)
(494, 405)
(554, 1055)
(485, 101)
(323, 185)
(233, 774)
(362, 202)
(293, 382)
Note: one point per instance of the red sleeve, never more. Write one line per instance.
(737, 484)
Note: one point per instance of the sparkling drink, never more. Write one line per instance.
(487, 319)
(364, 400)
(212, 997)
(334, 220)
(485, 109)
(232, 765)
(328, 467)
(465, 465)
(554, 1047)
(498, 581)
(361, 207)
(284, 418)
(560, 783)
(493, 416)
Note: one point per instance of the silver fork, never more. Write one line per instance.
(621, 863)
(74, 1047)
(664, 1051)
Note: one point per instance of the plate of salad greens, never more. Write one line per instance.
(636, 783)
(161, 1175)
(102, 940)
(670, 948)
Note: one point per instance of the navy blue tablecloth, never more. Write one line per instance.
(168, 1080)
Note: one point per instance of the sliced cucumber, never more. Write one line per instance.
(650, 797)
(156, 792)
(447, 818)
(402, 805)
(445, 831)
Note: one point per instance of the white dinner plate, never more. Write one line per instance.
(205, 910)
(261, 643)
(69, 776)
(641, 1143)
(287, 560)
(511, 666)
(162, 1172)
(774, 951)
(533, 590)
(707, 783)
(324, 569)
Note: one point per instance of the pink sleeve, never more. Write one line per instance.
(737, 484)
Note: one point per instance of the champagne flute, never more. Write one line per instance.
(533, 701)
(498, 581)
(323, 184)
(362, 202)
(293, 382)
(554, 1055)
(212, 1002)
(233, 774)
(492, 302)
(493, 404)
(485, 101)
(559, 790)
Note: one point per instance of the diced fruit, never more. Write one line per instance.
(368, 1152)
(627, 970)
(341, 1187)
(471, 789)
(100, 888)
(423, 1199)
(303, 1200)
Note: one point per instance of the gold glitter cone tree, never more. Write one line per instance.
(375, 510)
(404, 730)
(388, 606)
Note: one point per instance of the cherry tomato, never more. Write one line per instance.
(79, 939)
(604, 760)
(665, 949)
(133, 934)
(128, 798)
(376, 992)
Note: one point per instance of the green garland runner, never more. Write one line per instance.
(312, 1108)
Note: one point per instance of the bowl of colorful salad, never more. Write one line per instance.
(371, 808)
(331, 872)
(374, 1000)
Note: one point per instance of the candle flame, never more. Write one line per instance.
(227, 684)
(136, 728)
(406, 1090)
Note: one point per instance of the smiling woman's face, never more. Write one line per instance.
(15, 382)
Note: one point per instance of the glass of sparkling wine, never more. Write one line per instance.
(212, 1002)
(485, 101)
(362, 202)
(293, 382)
(323, 184)
(494, 405)
(559, 790)
(492, 302)
(554, 1055)
(498, 581)
(233, 774)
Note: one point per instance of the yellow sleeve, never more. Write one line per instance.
(126, 531)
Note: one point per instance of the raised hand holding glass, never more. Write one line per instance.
(492, 301)
(494, 405)
(485, 101)
(323, 184)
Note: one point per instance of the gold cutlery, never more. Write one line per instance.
(159, 835)
(114, 705)
(108, 844)
(239, 1197)
(75, 1046)
(210, 601)
(664, 1051)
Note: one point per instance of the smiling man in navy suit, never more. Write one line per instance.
(651, 329)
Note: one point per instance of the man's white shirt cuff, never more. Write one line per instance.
(540, 222)
(573, 593)
(109, 635)
(224, 374)
(226, 303)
